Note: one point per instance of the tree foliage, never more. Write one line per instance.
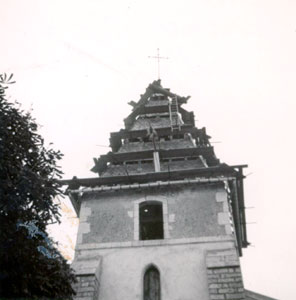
(30, 265)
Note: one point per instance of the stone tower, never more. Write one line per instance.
(165, 218)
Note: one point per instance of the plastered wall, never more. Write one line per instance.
(183, 270)
(191, 212)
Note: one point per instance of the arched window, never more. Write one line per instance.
(152, 284)
(151, 220)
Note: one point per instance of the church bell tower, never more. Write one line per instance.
(165, 219)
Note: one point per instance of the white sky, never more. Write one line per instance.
(78, 63)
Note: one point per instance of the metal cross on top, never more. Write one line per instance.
(158, 57)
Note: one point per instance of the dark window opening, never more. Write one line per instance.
(165, 160)
(149, 161)
(131, 162)
(178, 159)
(152, 284)
(178, 136)
(134, 140)
(151, 221)
(192, 158)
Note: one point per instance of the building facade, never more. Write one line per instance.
(165, 218)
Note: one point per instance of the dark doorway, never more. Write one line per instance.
(152, 284)
(151, 221)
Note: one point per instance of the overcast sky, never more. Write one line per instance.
(78, 63)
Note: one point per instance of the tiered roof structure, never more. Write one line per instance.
(159, 145)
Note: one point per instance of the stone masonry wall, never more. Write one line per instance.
(87, 287)
(88, 271)
(224, 276)
(225, 283)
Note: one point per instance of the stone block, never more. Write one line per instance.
(171, 218)
(232, 260)
(235, 274)
(87, 294)
(237, 296)
(215, 285)
(226, 290)
(225, 206)
(225, 280)
(235, 284)
(223, 258)
(220, 271)
(221, 196)
(223, 218)
(238, 279)
(214, 280)
(84, 284)
(165, 209)
(222, 252)
(136, 234)
(83, 228)
(228, 229)
(213, 276)
(215, 261)
(87, 289)
(216, 297)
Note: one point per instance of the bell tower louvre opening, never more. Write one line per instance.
(151, 221)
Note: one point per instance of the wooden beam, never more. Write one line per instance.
(139, 155)
(223, 170)
(116, 137)
(236, 216)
